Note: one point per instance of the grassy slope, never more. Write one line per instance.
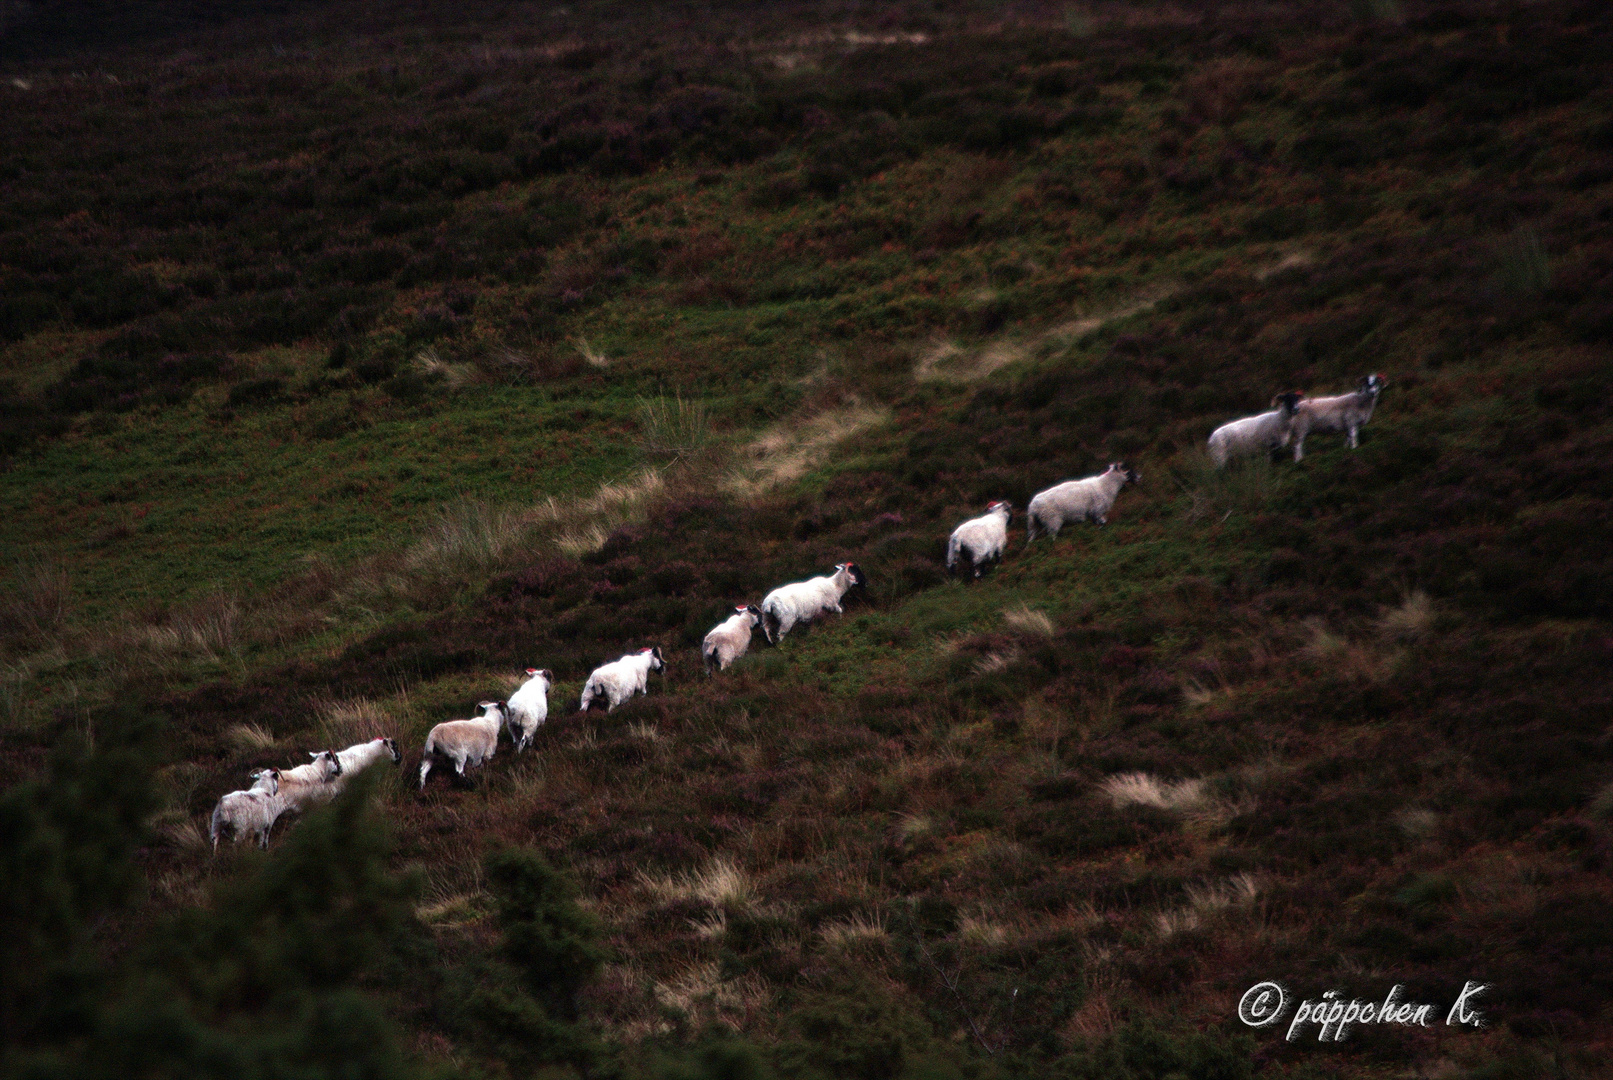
(1391, 792)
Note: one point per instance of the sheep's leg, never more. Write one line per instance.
(425, 768)
(1299, 448)
(1353, 429)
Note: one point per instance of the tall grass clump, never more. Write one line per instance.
(674, 428)
(1247, 486)
(40, 600)
(468, 534)
(1522, 268)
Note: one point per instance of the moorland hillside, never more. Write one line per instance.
(357, 358)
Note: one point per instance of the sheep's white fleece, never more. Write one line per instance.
(981, 540)
(619, 680)
(803, 601)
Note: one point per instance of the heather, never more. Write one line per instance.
(359, 358)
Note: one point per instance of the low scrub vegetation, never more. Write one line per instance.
(355, 359)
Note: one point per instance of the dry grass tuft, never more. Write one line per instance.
(790, 450)
(248, 738)
(469, 533)
(460, 909)
(647, 732)
(592, 356)
(1206, 902)
(910, 827)
(1602, 802)
(1417, 823)
(1144, 789)
(711, 926)
(1356, 660)
(1296, 259)
(722, 883)
(981, 932)
(855, 931)
(356, 720)
(429, 362)
(945, 362)
(1411, 620)
(40, 600)
(186, 834)
(703, 996)
(994, 662)
(1027, 620)
(674, 428)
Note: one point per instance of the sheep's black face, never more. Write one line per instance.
(392, 748)
(755, 614)
(858, 578)
(1132, 475)
(1287, 402)
(1372, 384)
(657, 661)
(334, 761)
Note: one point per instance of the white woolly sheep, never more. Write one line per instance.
(249, 813)
(1346, 413)
(1255, 434)
(980, 540)
(360, 756)
(528, 707)
(1077, 500)
(729, 639)
(803, 601)
(619, 680)
(464, 742)
(311, 784)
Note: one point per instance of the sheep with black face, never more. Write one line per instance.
(1346, 413)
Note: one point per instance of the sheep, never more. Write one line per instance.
(1077, 500)
(528, 707)
(360, 756)
(1255, 434)
(1346, 413)
(252, 812)
(619, 680)
(728, 640)
(803, 601)
(464, 742)
(981, 540)
(313, 783)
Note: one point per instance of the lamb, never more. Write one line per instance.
(252, 812)
(1077, 500)
(528, 707)
(981, 540)
(803, 601)
(1255, 434)
(728, 640)
(360, 756)
(311, 784)
(1346, 413)
(464, 742)
(619, 680)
